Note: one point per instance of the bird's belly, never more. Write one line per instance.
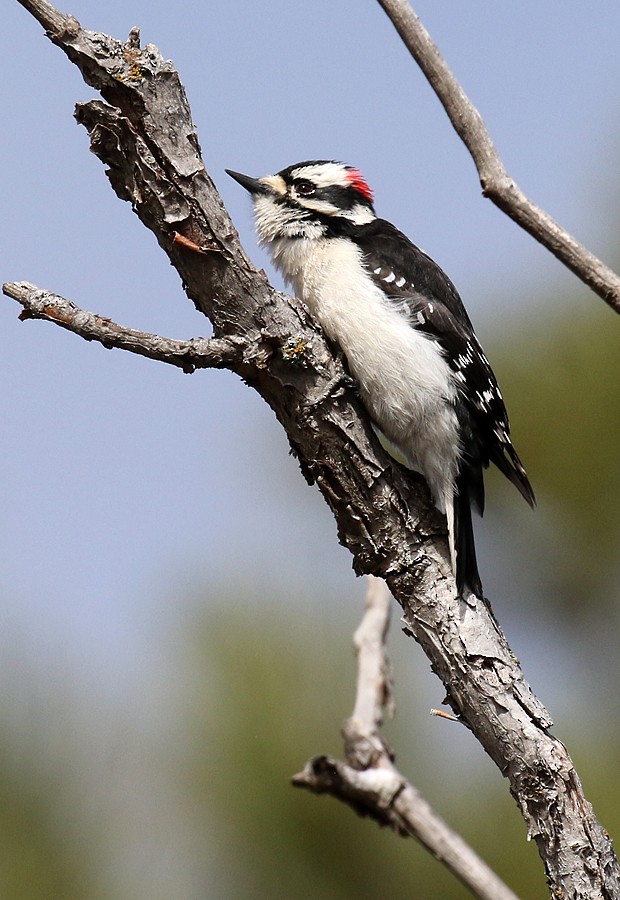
(404, 382)
(412, 408)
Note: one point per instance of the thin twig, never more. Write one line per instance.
(197, 353)
(369, 781)
(442, 714)
(496, 183)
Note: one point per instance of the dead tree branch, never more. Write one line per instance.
(374, 688)
(496, 183)
(368, 780)
(144, 135)
(198, 353)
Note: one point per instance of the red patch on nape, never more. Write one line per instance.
(359, 183)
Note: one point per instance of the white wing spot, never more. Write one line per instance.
(400, 282)
(464, 359)
(420, 317)
(389, 277)
(376, 271)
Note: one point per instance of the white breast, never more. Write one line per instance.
(405, 382)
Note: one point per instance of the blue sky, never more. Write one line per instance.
(127, 484)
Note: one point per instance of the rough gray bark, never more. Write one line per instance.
(144, 135)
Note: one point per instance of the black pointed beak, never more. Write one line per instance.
(253, 185)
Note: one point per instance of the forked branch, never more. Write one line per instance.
(368, 780)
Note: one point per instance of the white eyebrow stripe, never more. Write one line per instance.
(324, 174)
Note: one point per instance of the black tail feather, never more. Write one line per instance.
(512, 468)
(467, 575)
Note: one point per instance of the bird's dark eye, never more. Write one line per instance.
(305, 188)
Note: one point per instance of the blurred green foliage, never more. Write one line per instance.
(37, 860)
(257, 699)
(276, 703)
(564, 402)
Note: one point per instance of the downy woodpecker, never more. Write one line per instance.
(409, 343)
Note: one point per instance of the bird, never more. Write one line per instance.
(401, 325)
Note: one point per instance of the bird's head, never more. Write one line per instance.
(308, 200)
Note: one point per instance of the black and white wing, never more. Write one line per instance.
(423, 291)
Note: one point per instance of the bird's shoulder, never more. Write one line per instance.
(401, 268)
(429, 299)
